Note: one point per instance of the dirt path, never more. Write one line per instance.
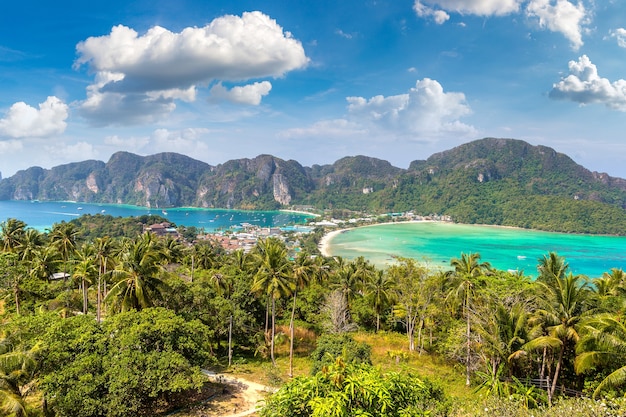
(243, 396)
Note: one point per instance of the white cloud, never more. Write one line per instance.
(620, 35)
(583, 85)
(337, 128)
(343, 34)
(9, 146)
(23, 120)
(131, 144)
(425, 8)
(63, 152)
(426, 110)
(439, 16)
(152, 70)
(247, 94)
(562, 16)
(190, 141)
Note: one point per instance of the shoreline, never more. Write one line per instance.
(325, 241)
(301, 212)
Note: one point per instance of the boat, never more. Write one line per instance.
(79, 208)
(164, 212)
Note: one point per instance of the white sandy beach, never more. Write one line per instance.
(325, 241)
(324, 244)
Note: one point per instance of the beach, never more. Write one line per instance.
(325, 241)
(324, 244)
(437, 243)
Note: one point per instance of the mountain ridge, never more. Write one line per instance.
(490, 180)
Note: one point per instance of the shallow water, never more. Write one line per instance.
(42, 215)
(504, 248)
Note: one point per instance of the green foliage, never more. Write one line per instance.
(92, 226)
(127, 366)
(331, 346)
(342, 390)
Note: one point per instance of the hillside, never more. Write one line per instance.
(494, 181)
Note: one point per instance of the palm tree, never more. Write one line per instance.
(603, 344)
(565, 304)
(137, 272)
(86, 270)
(273, 278)
(105, 251)
(380, 293)
(16, 372)
(304, 271)
(63, 236)
(11, 234)
(504, 330)
(467, 272)
(551, 267)
(45, 263)
(29, 246)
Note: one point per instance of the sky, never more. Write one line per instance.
(312, 81)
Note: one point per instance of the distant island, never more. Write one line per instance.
(488, 181)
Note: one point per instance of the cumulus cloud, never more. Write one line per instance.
(620, 35)
(562, 16)
(439, 16)
(425, 110)
(426, 8)
(247, 94)
(23, 120)
(583, 85)
(155, 69)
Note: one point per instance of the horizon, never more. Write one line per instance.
(393, 80)
(223, 162)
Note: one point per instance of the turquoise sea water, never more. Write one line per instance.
(503, 248)
(41, 215)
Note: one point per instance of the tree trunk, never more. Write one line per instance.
(16, 294)
(99, 295)
(291, 332)
(273, 331)
(556, 371)
(230, 341)
(467, 334)
(419, 335)
(85, 298)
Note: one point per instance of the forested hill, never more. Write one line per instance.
(491, 181)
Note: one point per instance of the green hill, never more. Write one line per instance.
(488, 181)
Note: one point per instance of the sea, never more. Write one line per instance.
(42, 215)
(436, 243)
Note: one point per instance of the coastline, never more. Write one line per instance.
(301, 212)
(325, 241)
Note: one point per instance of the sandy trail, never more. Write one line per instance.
(251, 393)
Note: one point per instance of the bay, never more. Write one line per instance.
(41, 215)
(437, 243)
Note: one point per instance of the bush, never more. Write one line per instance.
(332, 346)
(346, 390)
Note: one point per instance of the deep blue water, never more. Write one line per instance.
(42, 215)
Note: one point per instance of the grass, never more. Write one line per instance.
(389, 352)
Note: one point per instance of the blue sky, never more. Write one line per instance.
(312, 81)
